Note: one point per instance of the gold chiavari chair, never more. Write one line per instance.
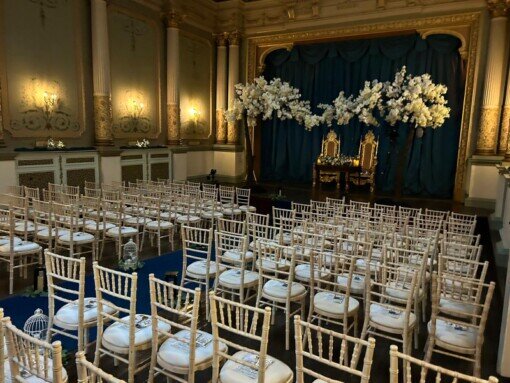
(302, 211)
(277, 287)
(129, 333)
(185, 349)
(236, 278)
(227, 196)
(460, 336)
(243, 363)
(310, 341)
(32, 359)
(89, 373)
(232, 226)
(158, 225)
(473, 240)
(410, 213)
(113, 213)
(243, 200)
(408, 376)
(43, 217)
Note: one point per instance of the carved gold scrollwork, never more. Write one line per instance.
(221, 127)
(461, 34)
(173, 118)
(232, 132)
(498, 8)
(103, 119)
(488, 132)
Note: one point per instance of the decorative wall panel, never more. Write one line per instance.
(160, 170)
(135, 74)
(130, 173)
(36, 180)
(196, 56)
(42, 67)
(77, 177)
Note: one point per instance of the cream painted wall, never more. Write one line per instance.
(110, 168)
(180, 166)
(200, 163)
(8, 177)
(483, 182)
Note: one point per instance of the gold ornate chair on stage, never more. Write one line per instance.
(325, 167)
(367, 161)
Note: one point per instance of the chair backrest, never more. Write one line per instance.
(303, 211)
(32, 193)
(231, 251)
(408, 362)
(368, 152)
(461, 267)
(243, 196)
(457, 250)
(468, 218)
(330, 350)
(89, 373)
(59, 270)
(227, 194)
(464, 239)
(438, 214)
(380, 209)
(178, 308)
(242, 321)
(232, 226)
(30, 356)
(410, 212)
(261, 219)
(196, 245)
(15, 190)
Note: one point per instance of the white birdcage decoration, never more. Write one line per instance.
(37, 325)
(130, 255)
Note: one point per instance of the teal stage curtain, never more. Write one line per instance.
(320, 71)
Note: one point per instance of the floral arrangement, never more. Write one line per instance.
(260, 98)
(52, 144)
(144, 143)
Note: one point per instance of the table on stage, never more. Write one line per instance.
(328, 173)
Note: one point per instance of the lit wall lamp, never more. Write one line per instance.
(50, 105)
(194, 114)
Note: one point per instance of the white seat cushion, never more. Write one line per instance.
(67, 315)
(245, 208)
(278, 289)
(399, 290)
(303, 272)
(91, 226)
(212, 214)
(458, 307)
(28, 378)
(45, 233)
(5, 240)
(276, 371)
(231, 211)
(79, 237)
(267, 243)
(235, 255)
(272, 264)
(232, 278)
(188, 218)
(357, 282)
(116, 336)
(361, 264)
(124, 231)
(451, 333)
(21, 247)
(326, 302)
(162, 224)
(198, 269)
(387, 317)
(137, 221)
(20, 227)
(174, 352)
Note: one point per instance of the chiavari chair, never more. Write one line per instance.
(23, 226)
(243, 200)
(76, 314)
(473, 240)
(157, 225)
(410, 213)
(464, 268)
(212, 212)
(321, 211)
(210, 188)
(457, 250)
(437, 214)
(337, 204)
(227, 196)
(466, 218)
(328, 301)
(391, 316)
(303, 211)
(310, 341)
(277, 287)
(197, 266)
(92, 184)
(129, 333)
(45, 232)
(31, 359)
(310, 248)
(189, 211)
(461, 337)
(285, 220)
(360, 205)
(258, 232)
(381, 209)
(31, 194)
(68, 231)
(459, 227)
(408, 362)
(15, 190)
(185, 349)
(16, 252)
(92, 222)
(246, 360)
(113, 213)
(92, 192)
(89, 373)
(236, 278)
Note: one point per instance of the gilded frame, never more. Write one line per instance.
(156, 25)
(5, 119)
(465, 26)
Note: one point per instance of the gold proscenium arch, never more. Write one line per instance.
(464, 26)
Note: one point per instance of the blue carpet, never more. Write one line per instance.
(19, 307)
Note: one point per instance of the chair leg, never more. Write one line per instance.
(477, 364)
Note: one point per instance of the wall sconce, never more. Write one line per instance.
(50, 105)
(136, 108)
(194, 114)
(134, 117)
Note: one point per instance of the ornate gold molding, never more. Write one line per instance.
(221, 127)
(221, 39)
(103, 120)
(467, 24)
(232, 133)
(174, 124)
(2, 144)
(498, 8)
(234, 38)
(505, 132)
(488, 132)
(265, 50)
(173, 19)
(460, 34)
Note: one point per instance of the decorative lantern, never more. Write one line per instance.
(130, 255)
(37, 325)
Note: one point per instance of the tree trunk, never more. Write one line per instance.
(250, 178)
(402, 162)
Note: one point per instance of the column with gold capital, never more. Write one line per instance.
(490, 113)
(101, 74)
(233, 79)
(221, 87)
(172, 78)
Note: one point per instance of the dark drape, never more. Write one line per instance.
(320, 71)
